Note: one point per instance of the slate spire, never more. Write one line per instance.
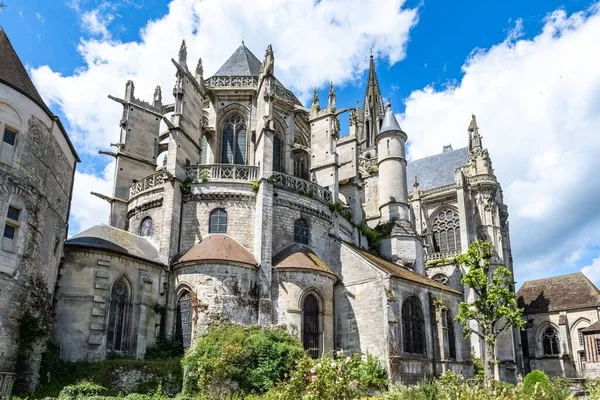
(390, 123)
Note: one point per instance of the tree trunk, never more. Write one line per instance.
(489, 364)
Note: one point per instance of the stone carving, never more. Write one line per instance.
(216, 172)
(232, 81)
(151, 182)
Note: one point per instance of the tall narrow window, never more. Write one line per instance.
(183, 329)
(449, 340)
(218, 221)
(550, 342)
(580, 337)
(446, 231)
(597, 341)
(277, 145)
(203, 149)
(233, 150)
(368, 133)
(7, 147)
(118, 317)
(310, 326)
(301, 165)
(11, 229)
(301, 231)
(413, 327)
(146, 227)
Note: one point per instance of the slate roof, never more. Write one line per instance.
(595, 327)
(390, 123)
(559, 293)
(241, 63)
(398, 271)
(437, 170)
(106, 237)
(300, 257)
(217, 247)
(14, 74)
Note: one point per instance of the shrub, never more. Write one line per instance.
(536, 379)
(232, 358)
(345, 377)
(81, 389)
(164, 348)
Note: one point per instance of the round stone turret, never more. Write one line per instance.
(391, 157)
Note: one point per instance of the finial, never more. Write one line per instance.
(389, 103)
(183, 46)
(269, 50)
(371, 51)
(416, 182)
(315, 97)
(199, 69)
(473, 125)
(331, 88)
(243, 42)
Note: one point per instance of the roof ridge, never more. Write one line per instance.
(438, 154)
(556, 277)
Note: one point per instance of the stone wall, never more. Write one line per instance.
(83, 302)
(37, 181)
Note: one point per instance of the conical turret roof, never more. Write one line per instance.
(390, 123)
(241, 63)
(14, 74)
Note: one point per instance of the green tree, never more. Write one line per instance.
(494, 307)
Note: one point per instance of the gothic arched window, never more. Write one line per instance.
(277, 154)
(440, 278)
(550, 342)
(118, 316)
(449, 339)
(183, 329)
(310, 326)
(146, 227)
(413, 325)
(301, 165)
(301, 231)
(218, 221)
(446, 231)
(203, 149)
(233, 150)
(368, 133)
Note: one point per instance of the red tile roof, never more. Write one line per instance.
(217, 247)
(297, 256)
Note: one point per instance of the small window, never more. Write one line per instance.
(218, 221)
(597, 347)
(580, 337)
(11, 228)
(10, 136)
(550, 342)
(301, 231)
(10, 232)
(146, 229)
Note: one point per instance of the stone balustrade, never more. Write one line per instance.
(481, 178)
(7, 379)
(301, 186)
(441, 255)
(148, 183)
(218, 172)
(232, 81)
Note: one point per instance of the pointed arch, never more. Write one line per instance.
(444, 224)
(184, 316)
(311, 304)
(233, 127)
(413, 327)
(119, 314)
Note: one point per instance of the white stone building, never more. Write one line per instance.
(37, 166)
(234, 200)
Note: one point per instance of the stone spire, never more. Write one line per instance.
(157, 97)
(183, 55)
(373, 106)
(315, 101)
(331, 97)
(199, 69)
(390, 123)
(474, 136)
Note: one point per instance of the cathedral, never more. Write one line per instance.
(233, 200)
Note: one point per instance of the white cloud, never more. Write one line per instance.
(538, 107)
(88, 210)
(96, 22)
(592, 271)
(40, 17)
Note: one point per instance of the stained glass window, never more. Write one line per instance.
(301, 231)
(218, 221)
(234, 141)
(446, 231)
(183, 329)
(301, 165)
(146, 227)
(277, 145)
(118, 315)
(449, 339)
(550, 342)
(413, 327)
(310, 326)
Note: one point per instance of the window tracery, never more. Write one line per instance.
(446, 231)
(413, 324)
(183, 327)
(301, 231)
(301, 165)
(441, 278)
(233, 150)
(118, 317)
(550, 341)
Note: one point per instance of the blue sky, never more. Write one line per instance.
(528, 69)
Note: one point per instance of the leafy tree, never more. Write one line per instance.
(495, 306)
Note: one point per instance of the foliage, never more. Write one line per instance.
(255, 185)
(203, 175)
(327, 378)
(81, 389)
(478, 369)
(372, 169)
(335, 206)
(233, 358)
(164, 348)
(56, 374)
(593, 387)
(495, 306)
(373, 237)
(440, 262)
(533, 379)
